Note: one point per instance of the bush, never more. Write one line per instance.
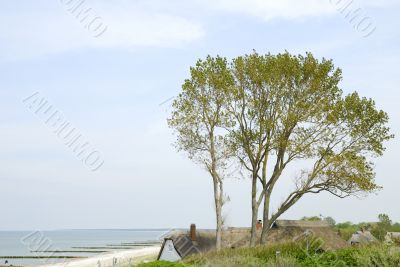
(381, 256)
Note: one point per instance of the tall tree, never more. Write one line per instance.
(336, 135)
(384, 225)
(289, 109)
(200, 120)
(273, 111)
(251, 107)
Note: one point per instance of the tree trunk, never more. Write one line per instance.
(218, 193)
(254, 210)
(267, 196)
(218, 211)
(218, 199)
(266, 222)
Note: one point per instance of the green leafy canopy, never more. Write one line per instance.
(286, 108)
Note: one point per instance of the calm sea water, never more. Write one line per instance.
(26, 243)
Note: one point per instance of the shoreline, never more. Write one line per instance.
(120, 258)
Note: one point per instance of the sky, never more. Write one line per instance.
(109, 68)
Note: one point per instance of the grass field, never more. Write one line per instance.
(291, 254)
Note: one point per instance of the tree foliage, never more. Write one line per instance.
(199, 119)
(384, 225)
(273, 111)
(330, 220)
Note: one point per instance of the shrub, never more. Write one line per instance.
(381, 256)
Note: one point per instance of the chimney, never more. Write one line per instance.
(193, 232)
(259, 225)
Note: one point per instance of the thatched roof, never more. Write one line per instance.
(392, 236)
(326, 236)
(286, 231)
(299, 223)
(362, 237)
(205, 241)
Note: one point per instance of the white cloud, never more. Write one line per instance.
(48, 28)
(54, 29)
(144, 29)
(289, 9)
(272, 9)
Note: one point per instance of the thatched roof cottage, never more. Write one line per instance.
(392, 237)
(180, 244)
(298, 230)
(362, 237)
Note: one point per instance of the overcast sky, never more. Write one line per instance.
(110, 88)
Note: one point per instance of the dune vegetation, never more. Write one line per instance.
(291, 254)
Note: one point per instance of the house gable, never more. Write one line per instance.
(168, 251)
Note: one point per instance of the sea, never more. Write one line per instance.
(30, 248)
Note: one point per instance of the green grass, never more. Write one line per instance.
(161, 264)
(292, 255)
(252, 257)
(296, 255)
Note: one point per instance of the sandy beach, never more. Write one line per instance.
(120, 258)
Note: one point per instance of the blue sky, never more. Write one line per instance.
(110, 88)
